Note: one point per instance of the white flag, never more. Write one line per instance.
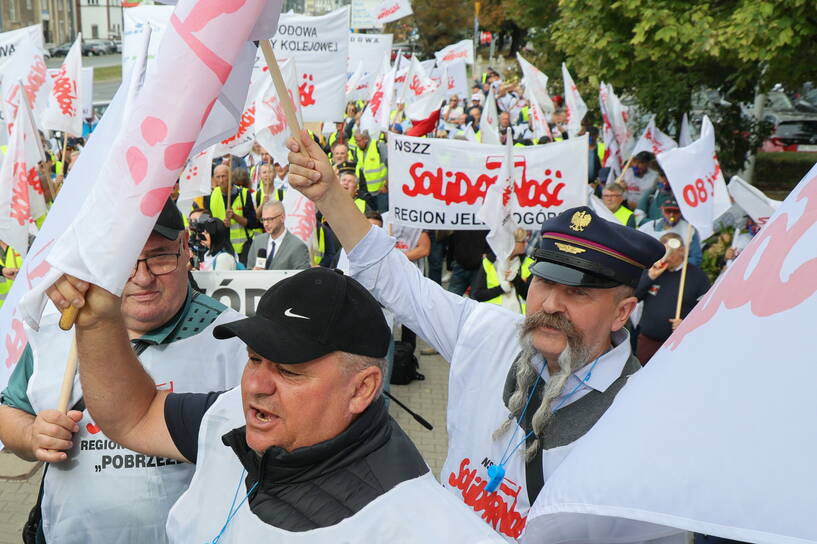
(426, 104)
(536, 86)
(375, 118)
(196, 59)
(462, 51)
(756, 205)
(696, 180)
(21, 194)
(300, 216)
(653, 140)
(417, 82)
(391, 10)
(684, 135)
(574, 105)
(196, 178)
(497, 210)
(270, 120)
(65, 101)
(24, 73)
(240, 142)
(489, 121)
(538, 122)
(709, 437)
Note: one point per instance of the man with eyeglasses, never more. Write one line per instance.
(93, 489)
(279, 248)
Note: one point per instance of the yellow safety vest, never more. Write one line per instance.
(600, 151)
(526, 114)
(361, 205)
(11, 259)
(321, 249)
(623, 214)
(238, 234)
(492, 279)
(372, 168)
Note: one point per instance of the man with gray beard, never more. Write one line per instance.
(521, 390)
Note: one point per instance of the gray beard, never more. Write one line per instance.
(572, 358)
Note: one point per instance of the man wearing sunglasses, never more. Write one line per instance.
(93, 489)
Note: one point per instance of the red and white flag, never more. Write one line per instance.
(351, 83)
(424, 113)
(375, 118)
(615, 133)
(497, 209)
(270, 121)
(391, 10)
(714, 435)
(64, 110)
(418, 83)
(21, 194)
(196, 178)
(240, 142)
(697, 181)
(536, 86)
(462, 51)
(196, 58)
(489, 121)
(538, 122)
(757, 205)
(24, 73)
(575, 108)
(653, 140)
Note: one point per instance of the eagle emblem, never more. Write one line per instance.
(580, 220)
(567, 248)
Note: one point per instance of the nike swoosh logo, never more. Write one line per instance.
(288, 313)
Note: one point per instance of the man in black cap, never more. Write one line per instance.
(522, 389)
(94, 490)
(306, 441)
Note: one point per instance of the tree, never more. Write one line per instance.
(440, 25)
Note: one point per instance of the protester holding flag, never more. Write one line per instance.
(573, 350)
(233, 205)
(658, 289)
(640, 177)
(169, 327)
(672, 221)
(372, 168)
(306, 440)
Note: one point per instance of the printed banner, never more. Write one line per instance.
(368, 49)
(392, 10)
(320, 46)
(240, 289)
(462, 51)
(441, 184)
(24, 74)
(135, 22)
(11, 41)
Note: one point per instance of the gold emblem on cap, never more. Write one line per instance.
(567, 248)
(580, 220)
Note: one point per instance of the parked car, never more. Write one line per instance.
(60, 50)
(117, 46)
(794, 133)
(94, 47)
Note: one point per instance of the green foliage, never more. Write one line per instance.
(714, 251)
(441, 24)
(780, 171)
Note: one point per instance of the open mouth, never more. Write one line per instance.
(261, 417)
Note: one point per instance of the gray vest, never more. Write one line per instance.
(568, 424)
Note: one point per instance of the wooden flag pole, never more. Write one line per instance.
(64, 146)
(623, 171)
(683, 273)
(281, 89)
(68, 377)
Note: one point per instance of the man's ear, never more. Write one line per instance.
(367, 384)
(623, 310)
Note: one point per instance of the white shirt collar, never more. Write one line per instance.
(607, 370)
(276, 240)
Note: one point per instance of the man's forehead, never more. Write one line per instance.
(157, 241)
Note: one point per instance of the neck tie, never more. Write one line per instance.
(270, 254)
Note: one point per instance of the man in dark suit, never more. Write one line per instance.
(282, 250)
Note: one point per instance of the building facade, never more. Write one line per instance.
(57, 18)
(101, 19)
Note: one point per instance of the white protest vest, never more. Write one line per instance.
(485, 351)
(417, 511)
(105, 493)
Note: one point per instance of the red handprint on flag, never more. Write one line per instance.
(306, 90)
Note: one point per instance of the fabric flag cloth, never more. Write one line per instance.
(538, 122)
(240, 142)
(684, 134)
(536, 86)
(300, 216)
(424, 113)
(368, 49)
(392, 10)
(375, 118)
(615, 132)
(24, 73)
(696, 180)
(320, 45)
(489, 121)
(497, 212)
(65, 101)
(653, 140)
(195, 59)
(457, 79)
(10, 41)
(757, 205)
(196, 178)
(270, 120)
(689, 443)
(462, 51)
(21, 193)
(354, 79)
(417, 84)
(574, 105)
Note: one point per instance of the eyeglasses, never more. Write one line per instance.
(270, 219)
(158, 265)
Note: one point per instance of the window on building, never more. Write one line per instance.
(95, 32)
(28, 5)
(13, 11)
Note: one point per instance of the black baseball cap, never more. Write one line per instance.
(312, 314)
(169, 223)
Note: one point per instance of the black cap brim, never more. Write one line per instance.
(566, 275)
(272, 341)
(166, 232)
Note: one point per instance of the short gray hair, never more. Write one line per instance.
(353, 363)
(272, 204)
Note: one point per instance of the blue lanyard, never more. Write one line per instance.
(496, 473)
(233, 508)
